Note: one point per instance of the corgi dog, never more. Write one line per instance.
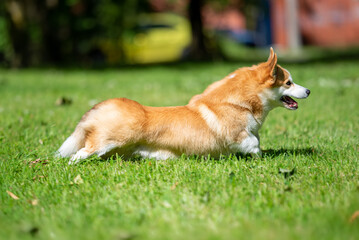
(224, 119)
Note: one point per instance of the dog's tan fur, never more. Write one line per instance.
(211, 123)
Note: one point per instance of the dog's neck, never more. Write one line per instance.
(254, 104)
(239, 89)
(258, 111)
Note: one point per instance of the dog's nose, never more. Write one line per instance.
(308, 92)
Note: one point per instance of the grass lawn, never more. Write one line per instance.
(188, 198)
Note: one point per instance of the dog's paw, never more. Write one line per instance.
(256, 153)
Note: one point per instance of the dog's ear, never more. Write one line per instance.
(272, 64)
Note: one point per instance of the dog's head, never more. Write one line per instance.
(279, 86)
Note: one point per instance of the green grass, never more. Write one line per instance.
(188, 198)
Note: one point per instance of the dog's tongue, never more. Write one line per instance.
(291, 103)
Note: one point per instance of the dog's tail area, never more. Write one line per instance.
(72, 144)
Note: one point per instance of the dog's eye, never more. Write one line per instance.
(288, 83)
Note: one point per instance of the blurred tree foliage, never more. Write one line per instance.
(62, 31)
(46, 32)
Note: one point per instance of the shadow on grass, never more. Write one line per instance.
(282, 151)
(266, 153)
(291, 151)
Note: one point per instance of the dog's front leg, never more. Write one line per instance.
(256, 151)
(248, 145)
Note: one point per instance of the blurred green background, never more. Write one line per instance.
(93, 33)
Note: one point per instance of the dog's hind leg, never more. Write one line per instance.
(86, 152)
(106, 149)
(81, 154)
(90, 147)
(73, 143)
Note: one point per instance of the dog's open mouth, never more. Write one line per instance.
(289, 102)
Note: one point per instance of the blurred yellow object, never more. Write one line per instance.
(159, 37)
